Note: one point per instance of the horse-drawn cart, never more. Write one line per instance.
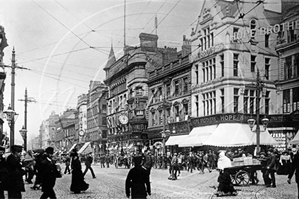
(243, 171)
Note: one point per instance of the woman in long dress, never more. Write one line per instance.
(78, 184)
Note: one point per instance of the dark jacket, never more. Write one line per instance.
(271, 162)
(147, 162)
(89, 161)
(138, 182)
(295, 168)
(15, 181)
(48, 174)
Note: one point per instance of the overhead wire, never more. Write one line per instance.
(62, 24)
(167, 14)
(41, 58)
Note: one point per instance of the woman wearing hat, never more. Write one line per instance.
(225, 185)
(78, 184)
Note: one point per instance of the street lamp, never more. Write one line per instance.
(164, 135)
(251, 123)
(23, 133)
(11, 116)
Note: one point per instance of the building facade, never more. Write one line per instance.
(126, 79)
(82, 117)
(93, 133)
(102, 122)
(288, 77)
(169, 105)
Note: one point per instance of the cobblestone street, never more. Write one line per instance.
(110, 183)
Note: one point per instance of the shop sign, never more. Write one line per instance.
(215, 119)
(204, 53)
(244, 34)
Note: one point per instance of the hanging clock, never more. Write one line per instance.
(123, 119)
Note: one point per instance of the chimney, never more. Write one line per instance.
(148, 42)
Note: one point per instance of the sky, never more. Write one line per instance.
(64, 44)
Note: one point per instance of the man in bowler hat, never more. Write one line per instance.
(48, 174)
(14, 184)
(137, 182)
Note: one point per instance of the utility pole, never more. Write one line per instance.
(26, 100)
(258, 89)
(13, 73)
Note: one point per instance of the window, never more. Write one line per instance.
(252, 98)
(235, 64)
(153, 118)
(222, 65)
(197, 105)
(160, 94)
(168, 86)
(288, 67)
(104, 121)
(253, 23)
(286, 101)
(197, 74)
(176, 110)
(253, 63)
(177, 87)
(185, 85)
(267, 68)
(235, 100)
(185, 109)
(295, 98)
(291, 36)
(161, 117)
(139, 91)
(296, 66)
(235, 33)
(209, 103)
(246, 98)
(222, 101)
(267, 36)
(267, 102)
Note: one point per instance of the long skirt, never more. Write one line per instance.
(78, 184)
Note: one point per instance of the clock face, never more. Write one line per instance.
(81, 133)
(123, 119)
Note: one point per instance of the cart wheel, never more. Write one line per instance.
(242, 178)
(232, 177)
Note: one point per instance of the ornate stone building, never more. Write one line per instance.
(126, 79)
(285, 128)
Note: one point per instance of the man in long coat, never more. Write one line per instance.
(15, 183)
(48, 175)
(294, 170)
(137, 182)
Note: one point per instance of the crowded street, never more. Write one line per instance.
(110, 183)
(163, 99)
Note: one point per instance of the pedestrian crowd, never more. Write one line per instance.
(17, 168)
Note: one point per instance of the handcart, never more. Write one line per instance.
(242, 170)
(241, 175)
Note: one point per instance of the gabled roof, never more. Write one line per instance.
(111, 59)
